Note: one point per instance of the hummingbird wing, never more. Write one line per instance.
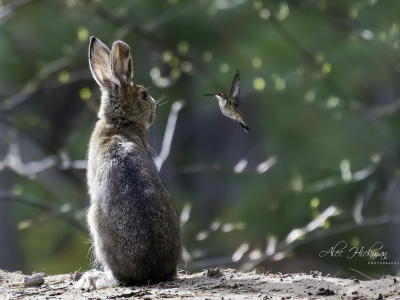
(234, 94)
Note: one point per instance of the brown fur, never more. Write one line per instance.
(132, 219)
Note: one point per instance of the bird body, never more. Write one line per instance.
(229, 104)
(229, 110)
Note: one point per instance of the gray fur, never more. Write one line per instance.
(132, 219)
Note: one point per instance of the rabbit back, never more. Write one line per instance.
(137, 234)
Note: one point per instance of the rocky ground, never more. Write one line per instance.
(210, 284)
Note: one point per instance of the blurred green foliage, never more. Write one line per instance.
(320, 91)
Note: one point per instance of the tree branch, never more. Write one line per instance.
(308, 57)
(10, 9)
(169, 133)
(32, 201)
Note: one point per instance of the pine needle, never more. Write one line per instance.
(361, 273)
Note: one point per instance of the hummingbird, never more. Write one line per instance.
(229, 104)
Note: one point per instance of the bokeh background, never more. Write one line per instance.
(320, 91)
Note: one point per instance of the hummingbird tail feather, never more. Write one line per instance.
(244, 126)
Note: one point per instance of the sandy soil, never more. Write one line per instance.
(211, 284)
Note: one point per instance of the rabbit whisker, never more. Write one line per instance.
(163, 103)
(160, 99)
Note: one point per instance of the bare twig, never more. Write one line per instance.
(13, 161)
(295, 234)
(129, 25)
(169, 133)
(73, 77)
(39, 78)
(274, 249)
(240, 167)
(265, 165)
(333, 181)
(358, 206)
(31, 86)
(312, 236)
(308, 57)
(33, 201)
(309, 233)
(382, 110)
(10, 9)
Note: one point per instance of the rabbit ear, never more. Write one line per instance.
(121, 64)
(99, 61)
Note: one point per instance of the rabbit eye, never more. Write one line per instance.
(143, 95)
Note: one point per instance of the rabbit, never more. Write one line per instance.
(132, 219)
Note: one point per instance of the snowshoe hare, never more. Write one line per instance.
(132, 219)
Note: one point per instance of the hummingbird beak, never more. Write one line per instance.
(208, 95)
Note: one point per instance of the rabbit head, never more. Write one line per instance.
(122, 102)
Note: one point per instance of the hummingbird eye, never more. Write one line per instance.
(143, 95)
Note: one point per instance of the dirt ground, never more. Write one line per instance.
(211, 284)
